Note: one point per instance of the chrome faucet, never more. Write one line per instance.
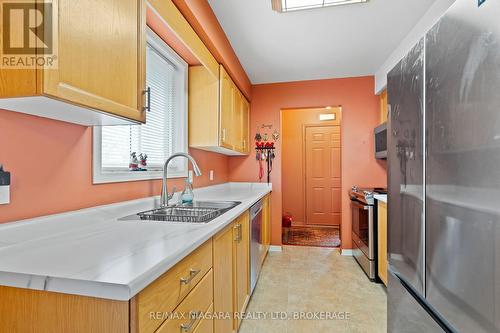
(165, 196)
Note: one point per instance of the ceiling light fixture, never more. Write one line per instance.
(283, 6)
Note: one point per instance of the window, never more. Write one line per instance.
(165, 131)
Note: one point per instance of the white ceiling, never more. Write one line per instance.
(331, 42)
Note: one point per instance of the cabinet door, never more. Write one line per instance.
(245, 123)
(101, 56)
(227, 103)
(237, 137)
(382, 241)
(242, 265)
(223, 279)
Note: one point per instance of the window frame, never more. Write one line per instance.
(99, 176)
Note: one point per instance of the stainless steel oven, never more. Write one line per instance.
(363, 233)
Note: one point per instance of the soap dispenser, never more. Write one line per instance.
(188, 195)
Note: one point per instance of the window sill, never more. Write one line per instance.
(132, 176)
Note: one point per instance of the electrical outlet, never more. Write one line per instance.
(211, 174)
(4, 186)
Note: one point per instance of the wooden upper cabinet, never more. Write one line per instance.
(100, 74)
(231, 253)
(237, 121)
(218, 113)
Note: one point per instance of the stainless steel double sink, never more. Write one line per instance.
(195, 212)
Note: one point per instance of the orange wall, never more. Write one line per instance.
(51, 161)
(201, 17)
(360, 114)
(292, 136)
(51, 166)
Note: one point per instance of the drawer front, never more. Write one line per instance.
(171, 288)
(189, 314)
(206, 325)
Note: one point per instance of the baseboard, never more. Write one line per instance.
(346, 252)
(275, 248)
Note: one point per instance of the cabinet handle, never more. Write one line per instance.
(147, 92)
(192, 274)
(194, 317)
(223, 134)
(244, 144)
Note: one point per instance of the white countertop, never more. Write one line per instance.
(381, 197)
(90, 252)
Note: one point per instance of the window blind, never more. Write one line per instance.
(156, 137)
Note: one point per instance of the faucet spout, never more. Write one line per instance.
(165, 196)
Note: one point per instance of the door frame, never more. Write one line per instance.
(304, 166)
(339, 114)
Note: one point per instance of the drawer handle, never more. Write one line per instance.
(194, 317)
(147, 92)
(192, 274)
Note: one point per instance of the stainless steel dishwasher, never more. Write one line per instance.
(255, 243)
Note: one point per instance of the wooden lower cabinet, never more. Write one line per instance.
(213, 279)
(168, 291)
(382, 241)
(266, 226)
(187, 316)
(232, 273)
(206, 324)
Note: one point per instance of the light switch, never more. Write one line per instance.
(211, 174)
(4, 195)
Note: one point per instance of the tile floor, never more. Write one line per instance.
(308, 279)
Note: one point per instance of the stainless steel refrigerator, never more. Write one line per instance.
(444, 176)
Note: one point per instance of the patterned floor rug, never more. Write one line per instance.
(311, 236)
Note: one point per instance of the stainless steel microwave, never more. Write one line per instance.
(381, 141)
